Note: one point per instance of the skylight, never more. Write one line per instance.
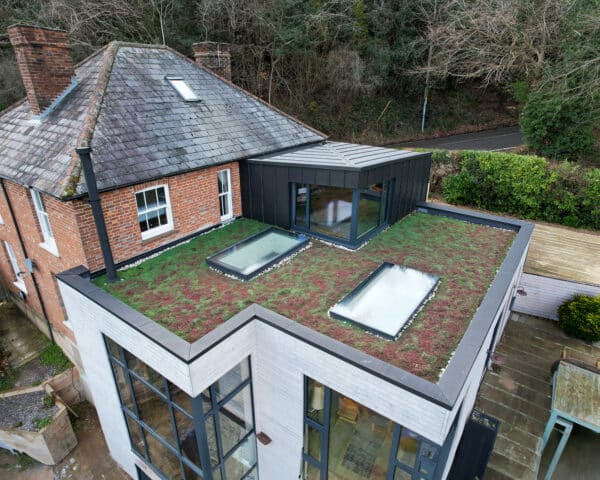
(387, 300)
(183, 89)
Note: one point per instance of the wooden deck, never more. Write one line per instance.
(563, 253)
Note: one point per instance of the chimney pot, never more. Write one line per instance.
(215, 56)
(44, 59)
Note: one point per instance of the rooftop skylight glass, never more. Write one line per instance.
(257, 253)
(183, 89)
(387, 300)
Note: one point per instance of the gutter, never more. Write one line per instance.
(24, 250)
(94, 198)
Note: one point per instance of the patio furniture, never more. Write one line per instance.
(575, 400)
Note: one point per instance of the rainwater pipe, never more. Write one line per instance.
(94, 199)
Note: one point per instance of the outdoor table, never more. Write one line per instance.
(575, 400)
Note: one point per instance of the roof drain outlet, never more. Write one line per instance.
(90, 180)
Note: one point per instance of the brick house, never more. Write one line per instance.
(124, 180)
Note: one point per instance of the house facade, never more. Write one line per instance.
(138, 154)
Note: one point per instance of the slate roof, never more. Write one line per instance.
(139, 128)
(346, 156)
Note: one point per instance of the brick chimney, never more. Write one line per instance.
(214, 56)
(44, 58)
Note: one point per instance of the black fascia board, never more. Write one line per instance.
(445, 393)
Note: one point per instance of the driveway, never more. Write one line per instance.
(497, 139)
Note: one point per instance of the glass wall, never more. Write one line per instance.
(345, 440)
(342, 214)
(180, 437)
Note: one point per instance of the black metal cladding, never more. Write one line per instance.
(266, 189)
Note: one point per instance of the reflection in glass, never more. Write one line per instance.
(123, 386)
(242, 459)
(135, 433)
(162, 458)
(331, 211)
(301, 201)
(187, 437)
(369, 205)
(407, 447)
(228, 382)
(235, 419)
(154, 411)
(147, 373)
(312, 442)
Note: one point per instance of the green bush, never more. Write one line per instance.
(527, 186)
(558, 126)
(580, 317)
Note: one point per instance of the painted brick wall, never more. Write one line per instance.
(194, 200)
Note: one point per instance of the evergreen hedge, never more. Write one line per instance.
(526, 186)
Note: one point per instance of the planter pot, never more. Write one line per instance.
(48, 446)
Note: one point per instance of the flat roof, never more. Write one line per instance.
(565, 254)
(347, 156)
(181, 293)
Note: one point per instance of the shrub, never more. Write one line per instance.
(580, 317)
(527, 186)
(558, 126)
(41, 423)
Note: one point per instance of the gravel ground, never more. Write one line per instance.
(24, 408)
(34, 373)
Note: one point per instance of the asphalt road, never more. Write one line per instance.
(497, 139)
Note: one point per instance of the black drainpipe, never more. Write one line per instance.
(22, 243)
(92, 187)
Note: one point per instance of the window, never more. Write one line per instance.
(49, 243)
(225, 201)
(183, 89)
(343, 214)
(154, 211)
(343, 439)
(208, 437)
(19, 282)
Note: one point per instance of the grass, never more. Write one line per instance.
(179, 291)
(53, 356)
(41, 423)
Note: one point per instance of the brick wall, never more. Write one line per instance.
(194, 206)
(46, 265)
(214, 56)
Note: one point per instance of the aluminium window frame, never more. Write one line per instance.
(49, 242)
(354, 241)
(427, 453)
(198, 415)
(161, 229)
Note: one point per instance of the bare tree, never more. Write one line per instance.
(495, 41)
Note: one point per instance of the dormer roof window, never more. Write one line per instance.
(183, 89)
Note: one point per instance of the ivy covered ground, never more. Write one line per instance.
(180, 292)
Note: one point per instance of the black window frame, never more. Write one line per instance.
(426, 457)
(354, 240)
(199, 415)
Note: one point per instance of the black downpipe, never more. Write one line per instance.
(92, 187)
(24, 250)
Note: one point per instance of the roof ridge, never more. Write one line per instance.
(246, 92)
(89, 124)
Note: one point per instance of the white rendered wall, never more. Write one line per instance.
(545, 294)
(279, 363)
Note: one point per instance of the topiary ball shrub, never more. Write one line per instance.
(579, 317)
